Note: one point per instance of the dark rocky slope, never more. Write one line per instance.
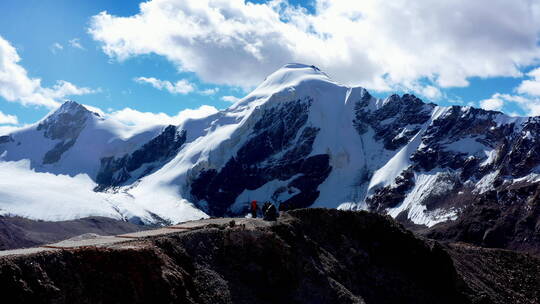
(153, 154)
(278, 148)
(508, 219)
(18, 232)
(495, 275)
(308, 256)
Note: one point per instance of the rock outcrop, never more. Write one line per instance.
(308, 256)
(152, 155)
(508, 218)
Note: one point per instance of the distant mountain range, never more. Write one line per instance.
(298, 140)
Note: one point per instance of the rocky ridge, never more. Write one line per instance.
(308, 256)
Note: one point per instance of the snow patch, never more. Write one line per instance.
(467, 145)
(275, 191)
(426, 185)
(486, 183)
(47, 196)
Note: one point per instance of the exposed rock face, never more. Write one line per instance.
(492, 188)
(54, 155)
(278, 148)
(501, 219)
(64, 125)
(116, 171)
(5, 139)
(66, 122)
(396, 122)
(391, 197)
(461, 155)
(309, 256)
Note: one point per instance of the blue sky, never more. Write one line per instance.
(224, 48)
(34, 26)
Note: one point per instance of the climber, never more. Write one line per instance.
(254, 209)
(264, 207)
(269, 212)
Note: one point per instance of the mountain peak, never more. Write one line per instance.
(290, 75)
(299, 70)
(67, 121)
(70, 106)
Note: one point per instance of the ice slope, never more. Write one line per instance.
(57, 197)
(38, 195)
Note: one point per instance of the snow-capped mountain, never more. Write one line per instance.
(299, 140)
(50, 170)
(71, 140)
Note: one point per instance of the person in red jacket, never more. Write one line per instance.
(253, 209)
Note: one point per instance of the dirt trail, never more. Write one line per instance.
(121, 240)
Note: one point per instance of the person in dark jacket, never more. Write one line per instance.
(269, 212)
(264, 207)
(254, 209)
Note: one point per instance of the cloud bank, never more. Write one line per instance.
(422, 45)
(531, 86)
(180, 87)
(8, 119)
(133, 117)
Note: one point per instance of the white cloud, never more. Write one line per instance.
(130, 116)
(374, 43)
(8, 119)
(76, 43)
(210, 91)
(180, 87)
(231, 99)
(492, 104)
(64, 88)
(95, 110)
(425, 90)
(5, 130)
(430, 92)
(55, 47)
(529, 105)
(17, 86)
(531, 86)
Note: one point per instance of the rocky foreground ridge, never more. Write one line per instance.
(307, 256)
